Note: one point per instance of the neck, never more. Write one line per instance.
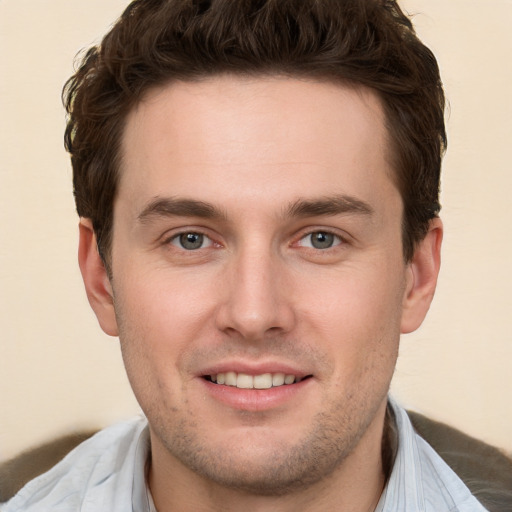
(355, 485)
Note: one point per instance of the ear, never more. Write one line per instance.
(94, 274)
(422, 272)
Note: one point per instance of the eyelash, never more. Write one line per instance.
(176, 240)
(335, 239)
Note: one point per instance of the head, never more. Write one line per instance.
(369, 43)
(261, 181)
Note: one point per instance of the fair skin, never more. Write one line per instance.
(257, 230)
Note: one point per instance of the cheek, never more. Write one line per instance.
(357, 314)
(161, 305)
(158, 321)
(152, 339)
(355, 298)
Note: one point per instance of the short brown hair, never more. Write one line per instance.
(363, 42)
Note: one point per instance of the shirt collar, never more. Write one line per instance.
(420, 480)
(141, 495)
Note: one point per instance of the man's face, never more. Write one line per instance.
(256, 238)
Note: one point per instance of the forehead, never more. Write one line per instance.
(234, 136)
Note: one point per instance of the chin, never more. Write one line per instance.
(258, 464)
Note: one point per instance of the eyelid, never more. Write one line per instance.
(337, 240)
(175, 240)
(342, 236)
(173, 234)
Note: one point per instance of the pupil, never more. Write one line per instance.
(322, 240)
(191, 240)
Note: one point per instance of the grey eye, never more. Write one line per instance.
(320, 240)
(191, 241)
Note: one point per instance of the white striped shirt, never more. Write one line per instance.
(420, 480)
(106, 473)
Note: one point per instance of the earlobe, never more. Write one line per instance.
(96, 280)
(422, 274)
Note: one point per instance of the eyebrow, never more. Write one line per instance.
(331, 205)
(174, 207)
(323, 206)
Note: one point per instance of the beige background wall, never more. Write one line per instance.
(58, 371)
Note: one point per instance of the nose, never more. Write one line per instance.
(257, 297)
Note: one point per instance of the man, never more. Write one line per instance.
(257, 184)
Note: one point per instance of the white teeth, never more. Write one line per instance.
(230, 379)
(278, 379)
(263, 381)
(289, 379)
(245, 381)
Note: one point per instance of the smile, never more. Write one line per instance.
(245, 381)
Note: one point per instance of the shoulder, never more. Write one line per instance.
(16, 472)
(486, 470)
(92, 459)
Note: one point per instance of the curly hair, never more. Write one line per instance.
(370, 43)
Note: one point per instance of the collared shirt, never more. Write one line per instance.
(420, 480)
(106, 473)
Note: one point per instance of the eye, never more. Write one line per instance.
(191, 241)
(320, 240)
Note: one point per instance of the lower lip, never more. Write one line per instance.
(256, 399)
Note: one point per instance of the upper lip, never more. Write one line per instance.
(254, 368)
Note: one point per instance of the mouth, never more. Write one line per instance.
(262, 381)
